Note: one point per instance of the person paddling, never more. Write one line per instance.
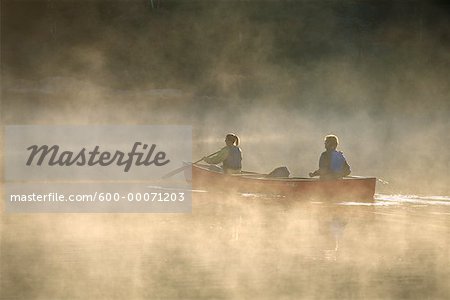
(230, 156)
(332, 163)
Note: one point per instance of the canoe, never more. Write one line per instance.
(354, 188)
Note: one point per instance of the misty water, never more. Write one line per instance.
(237, 246)
(234, 247)
(281, 75)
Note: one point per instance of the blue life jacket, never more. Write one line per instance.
(337, 161)
(233, 161)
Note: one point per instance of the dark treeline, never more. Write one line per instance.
(210, 45)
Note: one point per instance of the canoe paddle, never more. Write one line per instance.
(176, 171)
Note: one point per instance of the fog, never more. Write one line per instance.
(279, 74)
(230, 248)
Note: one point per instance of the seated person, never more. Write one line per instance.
(332, 163)
(230, 156)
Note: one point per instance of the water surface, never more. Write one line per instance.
(234, 247)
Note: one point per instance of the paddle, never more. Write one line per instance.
(176, 171)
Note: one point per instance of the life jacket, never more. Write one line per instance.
(337, 161)
(234, 158)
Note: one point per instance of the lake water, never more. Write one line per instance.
(234, 247)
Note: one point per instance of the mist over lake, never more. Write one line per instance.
(279, 74)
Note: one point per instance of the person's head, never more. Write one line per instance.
(231, 139)
(331, 142)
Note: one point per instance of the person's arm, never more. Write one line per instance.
(217, 158)
(322, 166)
(346, 169)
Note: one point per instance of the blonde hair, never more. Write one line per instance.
(332, 138)
(232, 138)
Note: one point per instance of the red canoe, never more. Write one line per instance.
(349, 188)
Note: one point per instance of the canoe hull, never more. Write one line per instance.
(347, 189)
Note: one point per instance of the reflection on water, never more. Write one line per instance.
(234, 247)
